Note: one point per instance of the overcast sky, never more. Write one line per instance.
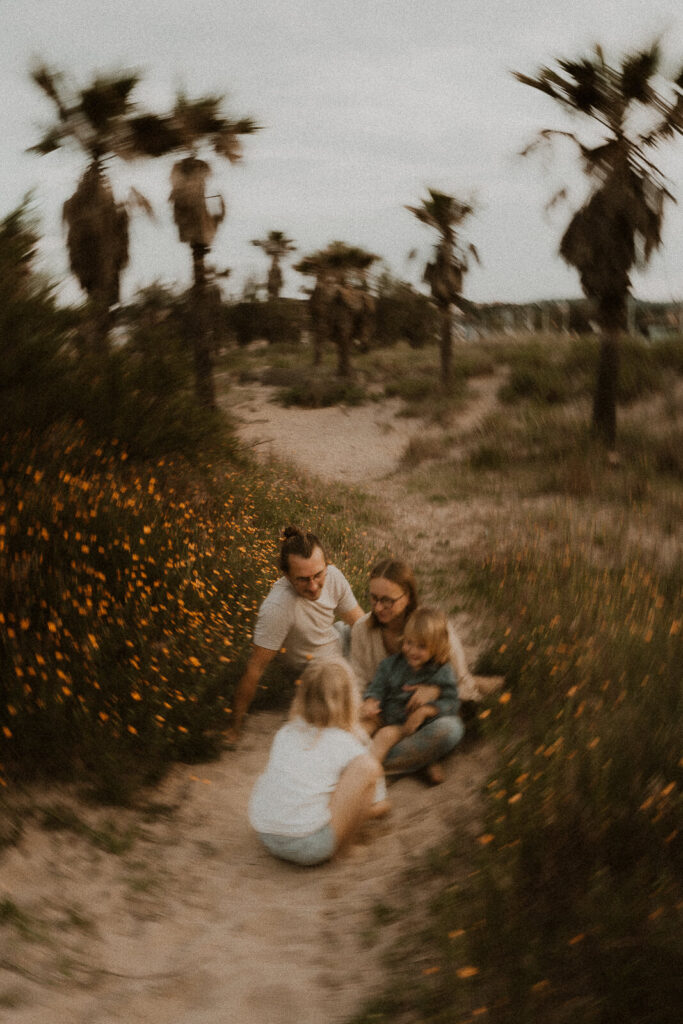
(364, 104)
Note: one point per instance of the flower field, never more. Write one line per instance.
(567, 904)
(127, 598)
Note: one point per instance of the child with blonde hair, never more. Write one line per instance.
(320, 783)
(424, 660)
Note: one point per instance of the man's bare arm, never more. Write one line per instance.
(353, 616)
(259, 659)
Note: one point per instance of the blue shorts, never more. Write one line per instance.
(306, 850)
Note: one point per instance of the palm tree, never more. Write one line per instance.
(619, 225)
(191, 125)
(445, 274)
(341, 306)
(98, 120)
(275, 245)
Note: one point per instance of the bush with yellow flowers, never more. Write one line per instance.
(566, 905)
(128, 594)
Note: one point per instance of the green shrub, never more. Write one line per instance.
(36, 367)
(413, 388)
(565, 906)
(640, 373)
(669, 354)
(282, 376)
(280, 321)
(539, 374)
(557, 372)
(582, 838)
(401, 313)
(319, 391)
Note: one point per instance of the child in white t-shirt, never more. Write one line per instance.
(320, 783)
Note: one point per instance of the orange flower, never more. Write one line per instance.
(467, 972)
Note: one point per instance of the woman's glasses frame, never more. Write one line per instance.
(385, 602)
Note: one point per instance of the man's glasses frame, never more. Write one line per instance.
(315, 578)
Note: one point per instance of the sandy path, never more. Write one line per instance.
(357, 445)
(195, 923)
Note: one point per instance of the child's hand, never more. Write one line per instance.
(417, 718)
(370, 709)
(422, 694)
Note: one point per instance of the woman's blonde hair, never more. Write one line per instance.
(429, 627)
(326, 695)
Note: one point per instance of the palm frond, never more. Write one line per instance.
(636, 71)
(541, 83)
(152, 135)
(51, 82)
(106, 101)
(52, 140)
(137, 201)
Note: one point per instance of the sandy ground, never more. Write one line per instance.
(191, 922)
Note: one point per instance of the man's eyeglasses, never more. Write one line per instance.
(315, 578)
(385, 602)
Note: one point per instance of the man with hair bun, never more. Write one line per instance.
(299, 619)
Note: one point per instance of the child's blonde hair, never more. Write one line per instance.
(326, 695)
(429, 627)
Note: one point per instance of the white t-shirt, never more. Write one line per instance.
(304, 628)
(292, 796)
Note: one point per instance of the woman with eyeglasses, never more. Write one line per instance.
(392, 595)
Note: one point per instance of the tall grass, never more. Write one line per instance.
(128, 592)
(567, 906)
(554, 372)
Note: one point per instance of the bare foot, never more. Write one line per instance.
(379, 809)
(435, 774)
(231, 738)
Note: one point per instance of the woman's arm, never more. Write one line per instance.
(363, 662)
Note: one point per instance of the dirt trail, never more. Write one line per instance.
(192, 922)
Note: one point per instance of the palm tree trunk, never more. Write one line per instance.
(446, 345)
(204, 384)
(343, 353)
(318, 318)
(100, 319)
(613, 321)
(342, 333)
(605, 395)
(318, 343)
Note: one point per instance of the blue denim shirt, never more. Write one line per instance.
(394, 673)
